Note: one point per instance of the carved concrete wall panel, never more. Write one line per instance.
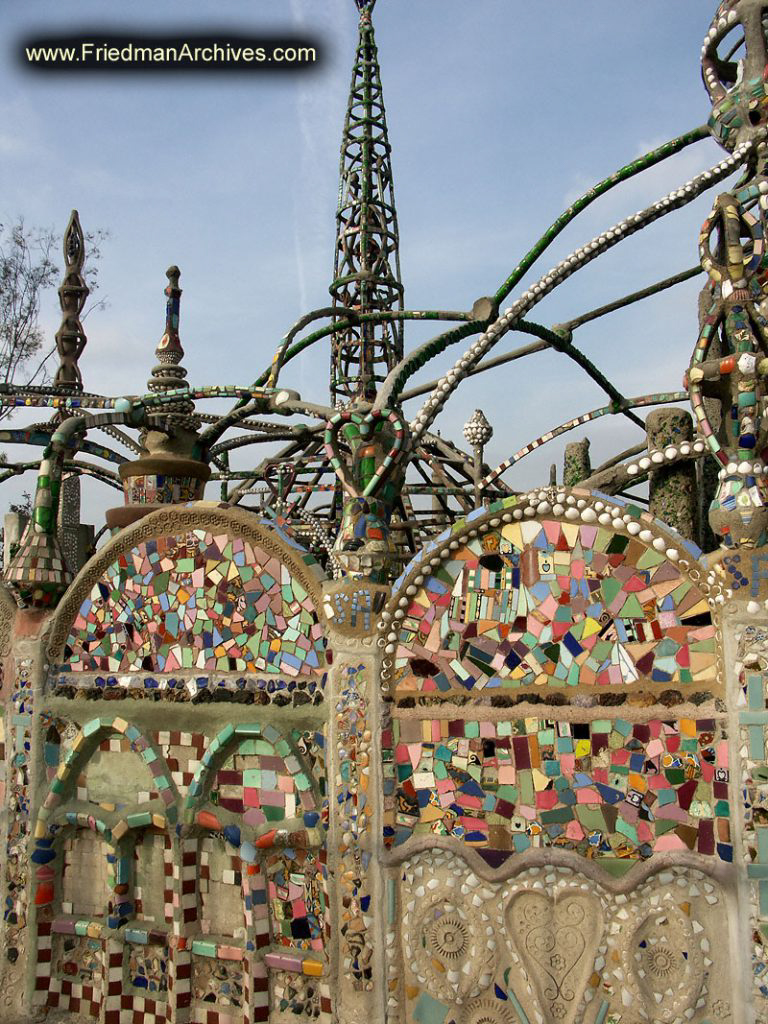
(554, 945)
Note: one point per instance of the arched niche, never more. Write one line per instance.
(152, 886)
(528, 600)
(254, 775)
(152, 767)
(201, 588)
(221, 906)
(84, 890)
(73, 863)
(76, 853)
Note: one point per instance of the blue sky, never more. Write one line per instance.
(500, 113)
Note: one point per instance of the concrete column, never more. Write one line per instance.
(25, 781)
(576, 464)
(673, 494)
(354, 799)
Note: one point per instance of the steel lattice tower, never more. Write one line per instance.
(367, 263)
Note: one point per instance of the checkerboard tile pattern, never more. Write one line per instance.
(183, 752)
(172, 917)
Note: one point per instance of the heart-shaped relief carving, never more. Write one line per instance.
(364, 430)
(557, 940)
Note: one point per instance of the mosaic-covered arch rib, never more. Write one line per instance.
(83, 747)
(258, 739)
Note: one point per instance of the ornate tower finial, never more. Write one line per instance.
(169, 374)
(367, 263)
(478, 432)
(170, 470)
(169, 351)
(70, 337)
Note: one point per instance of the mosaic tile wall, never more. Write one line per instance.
(84, 881)
(165, 490)
(297, 882)
(2, 756)
(554, 604)
(218, 982)
(148, 969)
(305, 691)
(610, 790)
(352, 782)
(196, 601)
(753, 750)
(208, 890)
(77, 958)
(261, 784)
(295, 996)
(76, 970)
(151, 872)
(220, 889)
(18, 739)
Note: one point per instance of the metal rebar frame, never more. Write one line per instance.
(439, 482)
(366, 275)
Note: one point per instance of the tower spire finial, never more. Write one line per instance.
(169, 374)
(169, 350)
(367, 263)
(70, 337)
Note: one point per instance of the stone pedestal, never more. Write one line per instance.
(153, 482)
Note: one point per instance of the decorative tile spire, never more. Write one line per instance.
(367, 264)
(38, 574)
(70, 337)
(169, 352)
(169, 374)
